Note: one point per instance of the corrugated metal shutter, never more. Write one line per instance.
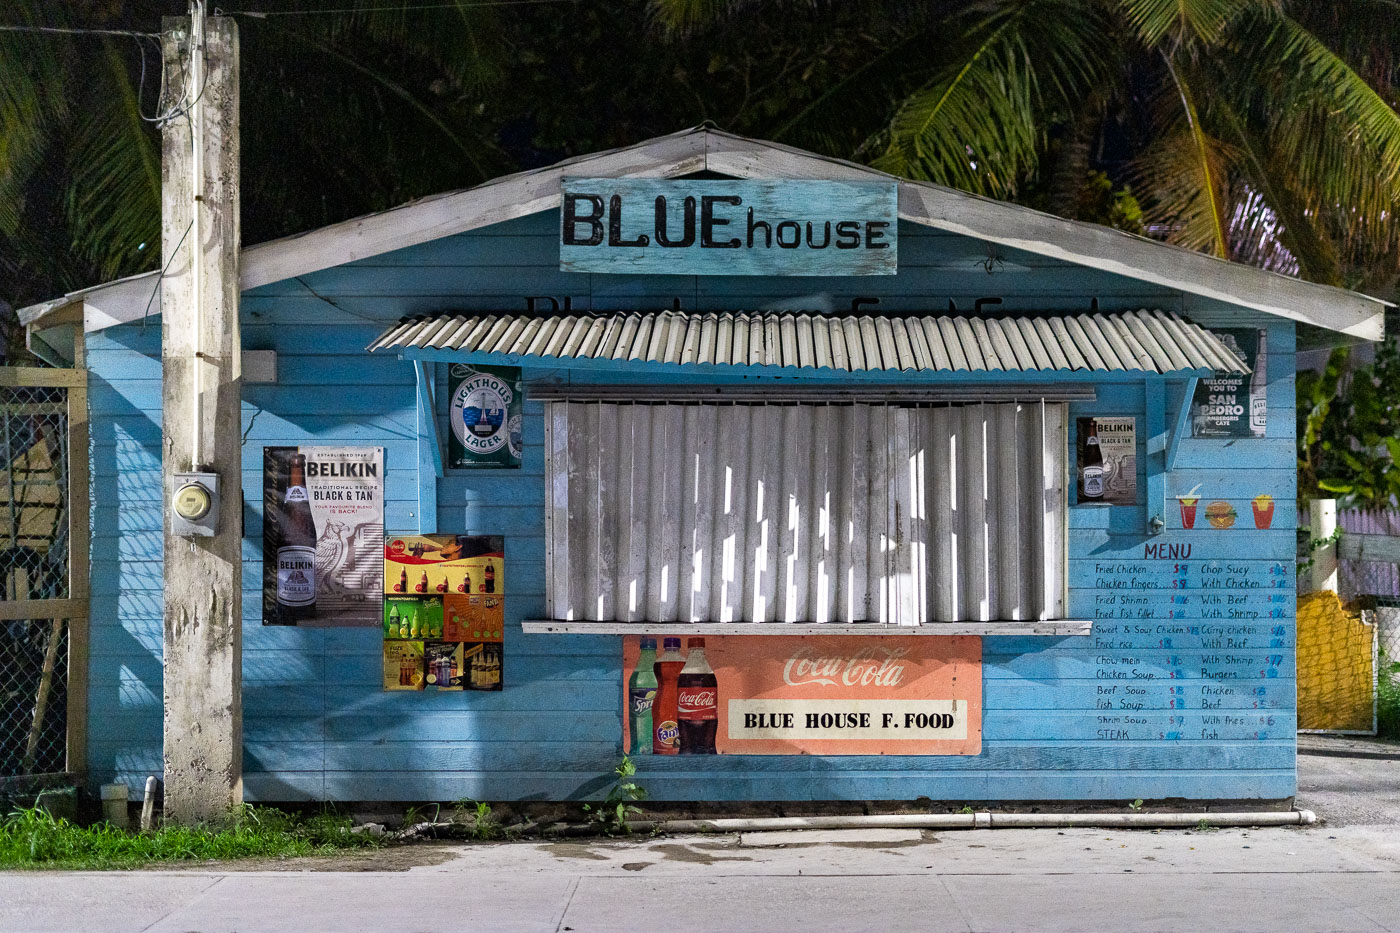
(806, 512)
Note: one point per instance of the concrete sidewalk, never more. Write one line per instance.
(886, 880)
(1343, 875)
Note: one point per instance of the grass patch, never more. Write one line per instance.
(34, 838)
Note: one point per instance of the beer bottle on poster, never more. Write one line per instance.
(1091, 472)
(489, 577)
(665, 731)
(641, 694)
(422, 586)
(1258, 389)
(466, 585)
(391, 626)
(296, 548)
(403, 581)
(697, 702)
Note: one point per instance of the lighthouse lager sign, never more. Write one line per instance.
(484, 411)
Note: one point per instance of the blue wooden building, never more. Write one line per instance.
(1138, 644)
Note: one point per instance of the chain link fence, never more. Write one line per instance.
(1373, 584)
(34, 566)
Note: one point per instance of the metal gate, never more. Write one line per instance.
(43, 570)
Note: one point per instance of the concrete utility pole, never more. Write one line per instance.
(1322, 525)
(200, 395)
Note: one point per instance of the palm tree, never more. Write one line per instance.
(1257, 130)
(331, 103)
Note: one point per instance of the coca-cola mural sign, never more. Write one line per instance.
(809, 695)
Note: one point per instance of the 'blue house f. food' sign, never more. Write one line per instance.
(728, 227)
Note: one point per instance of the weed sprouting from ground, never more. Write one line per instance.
(612, 815)
(35, 838)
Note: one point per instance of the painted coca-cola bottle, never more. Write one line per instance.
(697, 702)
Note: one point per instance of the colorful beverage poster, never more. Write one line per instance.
(323, 533)
(1230, 405)
(807, 695)
(1112, 473)
(447, 592)
(485, 413)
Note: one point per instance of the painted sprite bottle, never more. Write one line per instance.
(641, 694)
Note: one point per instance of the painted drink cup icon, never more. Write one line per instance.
(1188, 504)
(1263, 506)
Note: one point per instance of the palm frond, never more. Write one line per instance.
(113, 195)
(979, 124)
(1204, 20)
(1328, 125)
(1271, 225)
(682, 16)
(1183, 174)
(32, 101)
(1208, 201)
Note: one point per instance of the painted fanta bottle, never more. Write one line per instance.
(666, 733)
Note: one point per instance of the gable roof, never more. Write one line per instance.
(703, 149)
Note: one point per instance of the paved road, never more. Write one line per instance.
(1343, 875)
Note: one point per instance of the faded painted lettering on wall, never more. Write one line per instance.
(728, 227)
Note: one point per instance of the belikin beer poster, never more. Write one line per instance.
(802, 695)
(1230, 405)
(444, 612)
(484, 410)
(1115, 462)
(323, 535)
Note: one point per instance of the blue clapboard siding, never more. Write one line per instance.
(1185, 703)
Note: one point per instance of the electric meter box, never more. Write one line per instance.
(194, 506)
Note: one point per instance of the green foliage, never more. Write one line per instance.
(618, 806)
(1258, 129)
(1388, 699)
(1349, 430)
(481, 824)
(1136, 805)
(1204, 827)
(34, 838)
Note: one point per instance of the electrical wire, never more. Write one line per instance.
(161, 277)
(64, 31)
(404, 8)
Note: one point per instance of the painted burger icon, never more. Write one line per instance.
(1220, 514)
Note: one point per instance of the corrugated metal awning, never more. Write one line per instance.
(1142, 341)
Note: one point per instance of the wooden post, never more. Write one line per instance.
(79, 557)
(1322, 520)
(201, 381)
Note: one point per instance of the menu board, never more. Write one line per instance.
(444, 612)
(1191, 649)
